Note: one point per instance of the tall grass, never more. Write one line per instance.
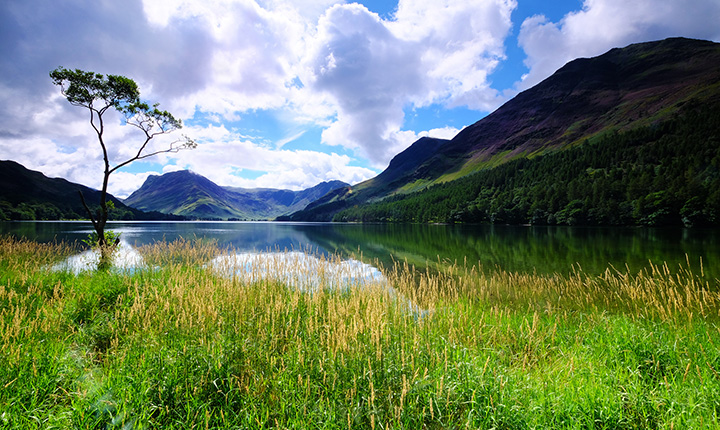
(183, 343)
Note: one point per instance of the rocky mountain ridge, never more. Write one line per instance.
(191, 195)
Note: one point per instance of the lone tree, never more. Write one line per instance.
(98, 93)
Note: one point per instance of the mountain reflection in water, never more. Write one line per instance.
(296, 269)
(514, 248)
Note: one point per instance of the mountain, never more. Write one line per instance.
(28, 194)
(192, 195)
(636, 89)
(620, 90)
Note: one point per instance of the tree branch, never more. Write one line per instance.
(92, 218)
(187, 143)
(99, 93)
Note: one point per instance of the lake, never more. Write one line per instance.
(514, 248)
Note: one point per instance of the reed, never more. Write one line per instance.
(197, 338)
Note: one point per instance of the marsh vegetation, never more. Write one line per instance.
(190, 340)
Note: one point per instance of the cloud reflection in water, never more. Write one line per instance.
(298, 270)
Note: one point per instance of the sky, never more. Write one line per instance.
(289, 93)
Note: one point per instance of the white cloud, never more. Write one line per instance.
(369, 73)
(122, 184)
(460, 43)
(405, 138)
(251, 53)
(310, 63)
(374, 69)
(287, 169)
(604, 24)
(440, 133)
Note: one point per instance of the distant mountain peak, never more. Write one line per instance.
(190, 194)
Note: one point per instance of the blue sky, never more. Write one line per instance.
(289, 93)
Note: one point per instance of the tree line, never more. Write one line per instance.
(46, 211)
(662, 174)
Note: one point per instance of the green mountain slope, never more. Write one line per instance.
(192, 195)
(659, 175)
(638, 88)
(27, 195)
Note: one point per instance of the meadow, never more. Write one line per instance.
(183, 343)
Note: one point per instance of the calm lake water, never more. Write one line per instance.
(514, 248)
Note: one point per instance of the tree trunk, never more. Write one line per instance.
(98, 222)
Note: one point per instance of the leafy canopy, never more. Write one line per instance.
(83, 88)
(98, 93)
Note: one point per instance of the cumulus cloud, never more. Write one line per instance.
(604, 24)
(38, 128)
(220, 58)
(373, 69)
(315, 62)
(287, 169)
(251, 54)
(293, 170)
(460, 44)
(310, 64)
(369, 73)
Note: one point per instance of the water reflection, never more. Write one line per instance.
(529, 249)
(298, 270)
(525, 249)
(125, 258)
(308, 273)
(239, 235)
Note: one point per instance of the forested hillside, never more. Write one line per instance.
(30, 195)
(638, 124)
(661, 174)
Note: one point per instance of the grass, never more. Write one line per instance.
(180, 345)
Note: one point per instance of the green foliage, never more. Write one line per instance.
(664, 174)
(33, 211)
(105, 247)
(97, 94)
(178, 346)
(47, 211)
(92, 240)
(83, 88)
